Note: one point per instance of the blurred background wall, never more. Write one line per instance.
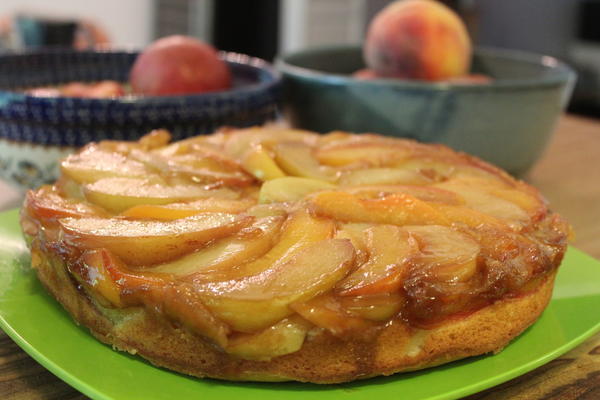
(127, 22)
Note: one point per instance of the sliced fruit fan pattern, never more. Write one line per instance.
(253, 238)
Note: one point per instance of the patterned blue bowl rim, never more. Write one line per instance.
(270, 80)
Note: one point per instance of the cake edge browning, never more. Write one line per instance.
(322, 359)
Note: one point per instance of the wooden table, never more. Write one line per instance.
(568, 175)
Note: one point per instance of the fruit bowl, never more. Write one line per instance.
(507, 122)
(36, 131)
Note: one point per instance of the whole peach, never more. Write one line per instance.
(418, 39)
(178, 65)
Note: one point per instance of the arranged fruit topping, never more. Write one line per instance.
(257, 238)
(255, 302)
(220, 260)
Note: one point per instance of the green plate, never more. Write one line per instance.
(40, 326)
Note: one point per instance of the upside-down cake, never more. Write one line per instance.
(273, 254)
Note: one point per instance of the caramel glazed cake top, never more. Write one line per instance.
(248, 235)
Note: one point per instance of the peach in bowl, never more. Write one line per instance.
(418, 76)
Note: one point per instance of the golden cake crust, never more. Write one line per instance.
(272, 255)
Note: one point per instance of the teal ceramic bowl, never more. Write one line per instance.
(507, 122)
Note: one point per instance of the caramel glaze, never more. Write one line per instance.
(506, 268)
(512, 261)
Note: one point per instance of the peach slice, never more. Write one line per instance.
(192, 144)
(326, 312)
(526, 198)
(444, 165)
(181, 303)
(218, 258)
(470, 166)
(448, 255)
(150, 242)
(104, 272)
(96, 271)
(335, 137)
(355, 233)
(297, 159)
(119, 194)
(46, 203)
(469, 217)
(93, 163)
(395, 209)
(481, 198)
(290, 188)
(269, 210)
(433, 169)
(155, 139)
(425, 193)
(206, 148)
(390, 250)
(376, 307)
(375, 154)
(239, 141)
(204, 158)
(298, 231)
(382, 176)
(182, 210)
(67, 187)
(259, 163)
(99, 270)
(201, 166)
(496, 207)
(477, 191)
(285, 337)
(255, 302)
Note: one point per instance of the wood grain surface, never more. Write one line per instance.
(568, 175)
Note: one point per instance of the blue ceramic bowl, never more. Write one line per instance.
(37, 131)
(507, 122)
